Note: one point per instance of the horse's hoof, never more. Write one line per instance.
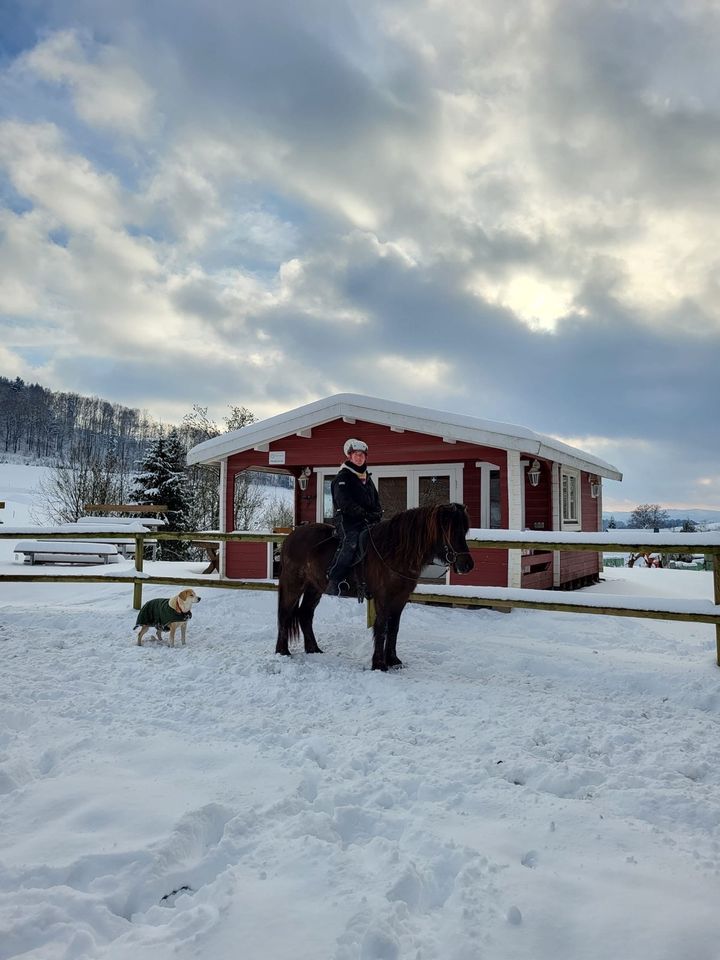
(395, 664)
(282, 653)
(315, 649)
(380, 665)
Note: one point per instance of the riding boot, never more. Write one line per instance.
(343, 560)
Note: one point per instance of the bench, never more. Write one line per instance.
(125, 546)
(212, 549)
(66, 551)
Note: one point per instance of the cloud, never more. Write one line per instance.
(106, 91)
(499, 210)
(61, 182)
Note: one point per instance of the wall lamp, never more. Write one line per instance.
(534, 473)
(595, 486)
(303, 478)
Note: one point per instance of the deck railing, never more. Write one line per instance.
(696, 611)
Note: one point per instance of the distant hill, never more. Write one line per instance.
(679, 513)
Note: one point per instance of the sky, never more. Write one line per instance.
(530, 786)
(501, 210)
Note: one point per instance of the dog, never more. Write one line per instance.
(166, 614)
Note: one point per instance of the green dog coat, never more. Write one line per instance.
(159, 613)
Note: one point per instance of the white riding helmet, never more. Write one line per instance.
(352, 445)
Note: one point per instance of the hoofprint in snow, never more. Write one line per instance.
(532, 785)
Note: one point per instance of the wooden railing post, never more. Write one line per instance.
(370, 604)
(716, 588)
(137, 587)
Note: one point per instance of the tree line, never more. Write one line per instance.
(100, 452)
(45, 425)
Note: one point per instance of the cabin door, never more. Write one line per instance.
(402, 488)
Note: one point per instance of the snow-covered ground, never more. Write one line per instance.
(532, 786)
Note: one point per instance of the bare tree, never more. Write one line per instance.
(84, 476)
(648, 515)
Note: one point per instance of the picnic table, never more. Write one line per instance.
(66, 551)
(212, 548)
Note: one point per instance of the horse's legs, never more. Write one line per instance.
(310, 600)
(379, 634)
(393, 624)
(385, 631)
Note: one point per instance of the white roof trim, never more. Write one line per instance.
(447, 426)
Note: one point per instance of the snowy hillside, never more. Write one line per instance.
(533, 786)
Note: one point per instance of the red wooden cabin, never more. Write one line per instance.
(509, 478)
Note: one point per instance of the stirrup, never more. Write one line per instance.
(343, 588)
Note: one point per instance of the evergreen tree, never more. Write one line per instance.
(152, 474)
(612, 525)
(175, 488)
(163, 480)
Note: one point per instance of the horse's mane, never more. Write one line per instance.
(410, 537)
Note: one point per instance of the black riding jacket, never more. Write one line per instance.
(355, 502)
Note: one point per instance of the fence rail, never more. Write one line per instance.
(500, 597)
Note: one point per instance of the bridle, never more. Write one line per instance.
(451, 554)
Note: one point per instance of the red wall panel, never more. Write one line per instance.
(246, 561)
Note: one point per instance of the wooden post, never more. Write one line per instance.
(137, 588)
(370, 603)
(716, 587)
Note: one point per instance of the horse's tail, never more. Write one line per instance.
(288, 621)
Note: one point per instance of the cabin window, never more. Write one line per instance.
(248, 500)
(490, 501)
(433, 489)
(327, 504)
(494, 511)
(393, 495)
(570, 496)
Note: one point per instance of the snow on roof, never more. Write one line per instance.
(450, 426)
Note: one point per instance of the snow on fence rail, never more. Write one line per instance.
(698, 611)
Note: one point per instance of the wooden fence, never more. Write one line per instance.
(698, 611)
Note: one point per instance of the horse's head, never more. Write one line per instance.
(453, 525)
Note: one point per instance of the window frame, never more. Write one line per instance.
(572, 477)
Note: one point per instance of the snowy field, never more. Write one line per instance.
(532, 786)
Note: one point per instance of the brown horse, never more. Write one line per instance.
(396, 552)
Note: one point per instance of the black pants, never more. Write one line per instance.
(342, 562)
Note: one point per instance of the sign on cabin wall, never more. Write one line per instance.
(276, 457)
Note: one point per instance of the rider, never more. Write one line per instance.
(356, 505)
